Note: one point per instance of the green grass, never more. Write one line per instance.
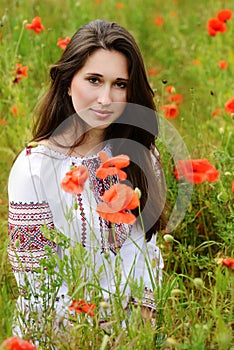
(192, 314)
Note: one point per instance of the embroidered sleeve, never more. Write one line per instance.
(28, 212)
(147, 300)
(27, 243)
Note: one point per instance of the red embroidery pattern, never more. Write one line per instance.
(148, 299)
(27, 243)
(83, 219)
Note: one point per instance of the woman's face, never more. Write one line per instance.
(99, 89)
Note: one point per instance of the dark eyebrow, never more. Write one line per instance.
(122, 79)
(101, 76)
(96, 74)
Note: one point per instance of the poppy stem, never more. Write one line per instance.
(141, 219)
(113, 234)
(20, 38)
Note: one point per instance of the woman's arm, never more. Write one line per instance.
(29, 215)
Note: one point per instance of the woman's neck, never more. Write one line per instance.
(90, 145)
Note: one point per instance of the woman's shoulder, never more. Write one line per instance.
(36, 152)
(31, 153)
(38, 158)
(29, 161)
(23, 180)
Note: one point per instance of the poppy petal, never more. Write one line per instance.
(119, 218)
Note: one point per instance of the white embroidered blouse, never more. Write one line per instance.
(36, 199)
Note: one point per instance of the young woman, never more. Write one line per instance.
(99, 100)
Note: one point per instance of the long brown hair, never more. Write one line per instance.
(138, 124)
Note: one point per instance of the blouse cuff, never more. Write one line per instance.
(148, 300)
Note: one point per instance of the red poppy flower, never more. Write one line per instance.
(75, 179)
(196, 171)
(217, 112)
(118, 200)
(3, 122)
(229, 106)
(62, 43)
(158, 21)
(170, 89)
(196, 62)
(119, 6)
(224, 15)
(214, 26)
(170, 110)
(20, 70)
(176, 98)
(81, 306)
(112, 166)
(36, 25)
(152, 71)
(232, 186)
(14, 110)
(223, 64)
(229, 262)
(15, 343)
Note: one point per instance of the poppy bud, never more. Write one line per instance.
(176, 292)
(168, 238)
(171, 341)
(138, 192)
(198, 282)
(104, 305)
(32, 144)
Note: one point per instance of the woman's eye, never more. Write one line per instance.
(93, 80)
(121, 84)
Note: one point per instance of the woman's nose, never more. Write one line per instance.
(104, 97)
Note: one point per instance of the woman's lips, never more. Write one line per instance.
(101, 113)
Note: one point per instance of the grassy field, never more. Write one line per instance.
(195, 303)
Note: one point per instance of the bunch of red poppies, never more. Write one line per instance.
(119, 200)
(19, 72)
(171, 110)
(196, 171)
(217, 24)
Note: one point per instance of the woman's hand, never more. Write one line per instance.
(148, 314)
